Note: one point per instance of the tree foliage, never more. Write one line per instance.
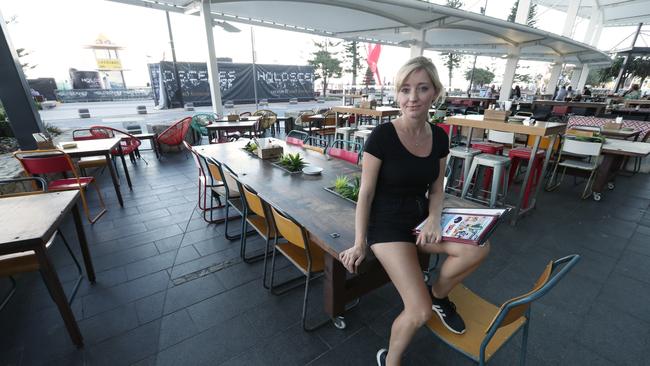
(451, 61)
(369, 78)
(325, 63)
(353, 59)
(481, 76)
(532, 14)
(456, 4)
(640, 67)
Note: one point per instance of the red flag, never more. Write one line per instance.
(373, 57)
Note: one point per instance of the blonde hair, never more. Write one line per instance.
(420, 63)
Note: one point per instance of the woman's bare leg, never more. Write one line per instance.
(400, 260)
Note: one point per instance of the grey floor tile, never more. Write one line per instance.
(191, 292)
(133, 346)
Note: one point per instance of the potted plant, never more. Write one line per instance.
(293, 163)
(346, 187)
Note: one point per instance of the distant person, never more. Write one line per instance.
(555, 92)
(561, 94)
(517, 93)
(633, 92)
(569, 92)
(586, 92)
(491, 92)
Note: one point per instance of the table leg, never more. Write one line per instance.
(126, 171)
(527, 177)
(605, 170)
(469, 139)
(154, 146)
(58, 295)
(334, 289)
(547, 158)
(116, 183)
(83, 244)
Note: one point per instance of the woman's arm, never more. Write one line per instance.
(353, 257)
(430, 233)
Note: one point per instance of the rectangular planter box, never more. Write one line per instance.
(332, 191)
(275, 164)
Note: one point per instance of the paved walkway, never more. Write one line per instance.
(136, 314)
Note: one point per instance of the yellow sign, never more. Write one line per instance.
(109, 64)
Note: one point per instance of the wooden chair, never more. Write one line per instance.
(205, 182)
(490, 327)
(21, 262)
(41, 162)
(89, 162)
(256, 214)
(302, 252)
(228, 191)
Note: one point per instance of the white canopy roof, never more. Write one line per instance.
(615, 12)
(397, 23)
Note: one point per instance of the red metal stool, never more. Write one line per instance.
(523, 154)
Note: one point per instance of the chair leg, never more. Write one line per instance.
(80, 276)
(84, 203)
(588, 186)
(524, 341)
(10, 294)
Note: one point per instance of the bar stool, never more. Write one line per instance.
(343, 133)
(500, 165)
(466, 157)
(496, 142)
(520, 154)
(362, 135)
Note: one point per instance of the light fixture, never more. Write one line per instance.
(226, 26)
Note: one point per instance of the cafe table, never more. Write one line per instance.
(538, 129)
(28, 222)
(215, 128)
(379, 112)
(328, 218)
(614, 152)
(99, 147)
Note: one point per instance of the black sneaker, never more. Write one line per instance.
(381, 357)
(446, 311)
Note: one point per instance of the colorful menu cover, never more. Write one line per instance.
(468, 225)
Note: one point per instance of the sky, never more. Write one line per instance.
(55, 33)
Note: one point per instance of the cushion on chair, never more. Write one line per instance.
(69, 183)
(477, 314)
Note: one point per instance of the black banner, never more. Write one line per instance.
(44, 86)
(85, 79)
(102, 95)
(274, 82)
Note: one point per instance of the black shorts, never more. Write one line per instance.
(394, 218)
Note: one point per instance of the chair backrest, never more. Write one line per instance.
(560, 109)
(102, 132)
(39, 185)
(296, 138)
(501, 137)
(82, 134)
(45, 161)
(585, 148)
(200, 120)
(267, 118)
(230, 181)
(245, 114)
(289, 229)
(128, 143)
(175, 134)
(316, 143)
(337, 149)
(524, 114)
(519, 306)
(195, 156)
(253, 201)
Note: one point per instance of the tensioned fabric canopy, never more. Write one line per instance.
(397, 23)
(615, 12)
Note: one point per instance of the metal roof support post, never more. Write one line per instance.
(15, 94)
(595, 21)
(213, 68)
(570, 20)
(417, 48)
(522, 12)
(509, 75)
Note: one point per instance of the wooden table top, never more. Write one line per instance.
(302, 196)
(97, 146)
(626, 147)
(623, 132)
(537, 128)
(31, 220)
(571, 104)
(378, 112)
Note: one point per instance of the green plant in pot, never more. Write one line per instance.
(348, 188)
(291, 162)
(250, 147)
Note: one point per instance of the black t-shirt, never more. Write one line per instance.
(402, 173)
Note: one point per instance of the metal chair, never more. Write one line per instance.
(228, 191)
(345, 150)
(15, 263)
(490, 327)
(199, 121)
(297, 138)
(580, 149)
(41, 162)
(129, 144)
(175, 134)
(303, 253)
(316, 143)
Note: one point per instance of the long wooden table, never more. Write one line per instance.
(328, 218)
(597, 107)
(28, 222)
(379, 112)
(99, 147)
(537, 129)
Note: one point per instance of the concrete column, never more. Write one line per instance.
(417, 49)
(509, 75)
(15, 94)
(213, 68)
(583, 79)
(522, 12)
(593, 22)
(555, 75)
(577, 73)
(569, 21)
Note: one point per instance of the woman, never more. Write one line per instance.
(403, 163)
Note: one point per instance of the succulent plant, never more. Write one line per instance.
(250, 147)
(292, 162)
(348, 188)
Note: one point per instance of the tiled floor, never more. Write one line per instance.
(136, 314)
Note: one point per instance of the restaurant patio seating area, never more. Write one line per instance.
(172, 290)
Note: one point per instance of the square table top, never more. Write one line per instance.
(377, 112)
(626, 147)
(96, 146)
(32, 219)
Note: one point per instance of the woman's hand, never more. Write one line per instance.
(430, 233)
(352, 258)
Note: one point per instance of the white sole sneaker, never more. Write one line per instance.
(378, 357)
(442, 320)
